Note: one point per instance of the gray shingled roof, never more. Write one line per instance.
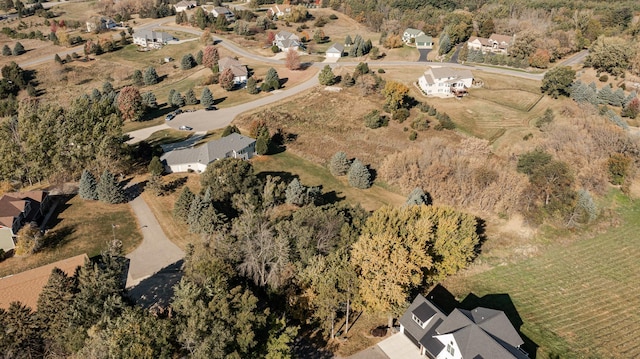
(412, 31)
(339, 48)
(445, 72)
(236, 67)
(153, 35)
(424, 38)
(208, 152)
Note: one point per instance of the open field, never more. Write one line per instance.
(577, 299)
(81, 227)
(311, 174)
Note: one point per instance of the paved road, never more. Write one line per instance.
(575, 59)
(155, 252)
(141, 134)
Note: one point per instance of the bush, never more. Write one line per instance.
(358, 175)
(374, 120)
(275, 49)
(333, 17)
(381, 71)
(420, 124)
(413, 136)
(401, 115)
(604, 78)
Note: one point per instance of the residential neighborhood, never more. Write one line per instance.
(309, 179)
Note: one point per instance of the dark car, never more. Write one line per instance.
(169, 117)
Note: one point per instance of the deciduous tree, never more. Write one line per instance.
(210, 56)
(130, 103)
(226, 80)
(557, 81)
(292, 60)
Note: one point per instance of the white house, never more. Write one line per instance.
(287, 41)
(424, 42)
(445, 81)
(336, 50)
(239, 70)
(197, 158)
(279, 11)
(463, 334)
(100, 23)
(219, 10)
(411, 33)
(151, 39)
(495, 43)
(184, 5)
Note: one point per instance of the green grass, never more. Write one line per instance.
(311, 174)
(167, 136)
(81, 227)
(516, 99)
(579, 299)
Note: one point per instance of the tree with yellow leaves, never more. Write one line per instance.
(395, 94)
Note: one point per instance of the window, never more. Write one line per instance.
(450, 349)
(416, 319)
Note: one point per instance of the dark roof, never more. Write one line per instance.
(431, 344)
(424, 312)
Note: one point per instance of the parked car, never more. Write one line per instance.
(169, 117)
(185, 128)
(177, 112)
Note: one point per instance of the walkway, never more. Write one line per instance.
(155, 252)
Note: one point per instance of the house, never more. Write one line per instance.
(411, 33)
(278, 11)
(495, 43)
(197, 158)
(445, 81)
(424, 42)
(25, 287)
(17, 209)
(239, 70)
(336, 50)
(184, 5)
(100, 23)
(463, 334)
(287, 41)
(151, 39)
(219, 10)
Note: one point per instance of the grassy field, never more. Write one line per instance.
(311, 174)
(579, 298)
(81, 227)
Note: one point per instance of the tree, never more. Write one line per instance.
(229, 130)
(531, 162)
(557, 81)
(109, 189)
(57, 59)
(358, 175)
(618, 165)
(188, 62)
(155, 166)
(150, 76)
(6, 50)
(292, 60)
(190, 98)
(172, 92)
(137, 78)
(417, 197)
(523, 45)
(182, 204)
(395, 94)
(87, 188)
(632, 108)
(281, 338)
(227, 177)
(53, 304)
(177, 100)
(18, 49)
(210, 56)
(610, 54)
(149, 100)
(14, 73)
(251, 86)
(487, 28)
(339, 164)
(326, 76)
(206, 99)
(271, 80)
(199, 55)
(226, 79)
(263, 142)
(130, 103)
(19, 332)
(300, 195)
(205, 38)
(445, 44)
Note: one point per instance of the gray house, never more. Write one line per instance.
(463, 334)
(197, 158)
(336, 50)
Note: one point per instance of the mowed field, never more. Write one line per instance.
(577, 300)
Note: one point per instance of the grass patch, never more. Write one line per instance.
(515, 99)
(81, 227)
(311, 174)
(167, 136)
(578, 299)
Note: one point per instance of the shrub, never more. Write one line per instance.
(275, 49)
(381, 71)
(374, 120)
(358, 175)
(333, 17)
(604, 78)
(420, 124)
(413, 136)
(401, 115)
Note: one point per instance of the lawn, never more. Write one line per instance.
(311, 174)
(577, 299)
(80, 227)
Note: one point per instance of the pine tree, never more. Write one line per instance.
(188, 62)
(53, 303)
(206, 99)
(137, 78)
(107, 87)
(295, 193)
(417, 197)
(229, 130)
(190, 98)
(109, 189)
(149, 100)
(155, 184)
(172, 92)
(182, 205)
(57, 59)
(18, 49)
(199, 57)
(6, 50)
(155, 167)
(326, 76)
(617, 98)
(272, 79)
(339, 164)
(262, 144)
(177, 100)
(87, 189)
(348, 41)
(605, 95)
(150, 76)
(251, 86)
(358, 175)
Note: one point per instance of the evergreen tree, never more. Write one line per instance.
(57, 59)
(137, 78)
(182, 205)
(177, 100)
(107, 87)
(206, 99)
(326, 76)
(417, 197)
(295, 193)
(252, 87)
(109, 189)
(190, 98)
(229, 130)
(348, 41)
(358, 175)
(53, 303)
(188, 62)
(339, 164)
(19, 332)
(605, 95)
(18, 49)
(150, 76)
(445, 44)
(199, 57)
(262, 144)
(6, 50)
(271, 80)
(617, 99)
(88, 187)
(149, 100)
(172, 92)
(155, 184)
(155, 167)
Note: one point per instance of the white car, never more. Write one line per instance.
(185, 128)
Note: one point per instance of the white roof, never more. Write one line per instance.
(208, 152)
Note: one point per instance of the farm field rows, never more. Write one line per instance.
(576, 300)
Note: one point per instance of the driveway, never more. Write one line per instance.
(144, 133)
(423, 54)
(155, 252)
(398, 346)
